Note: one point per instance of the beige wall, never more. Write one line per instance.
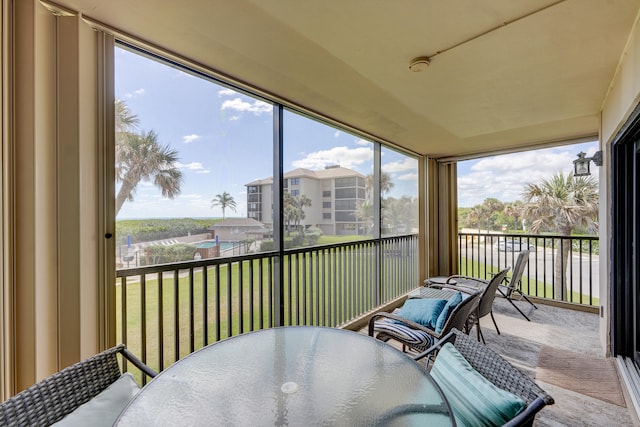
(622, 98)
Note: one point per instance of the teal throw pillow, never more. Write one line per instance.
(446, 311)
(424, 311)
(474, 400)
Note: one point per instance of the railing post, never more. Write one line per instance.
(554, 265)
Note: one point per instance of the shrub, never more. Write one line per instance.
(159, 254)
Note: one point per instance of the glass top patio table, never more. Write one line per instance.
(295, 376)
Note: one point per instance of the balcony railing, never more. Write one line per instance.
(166, 311)
(555, 260)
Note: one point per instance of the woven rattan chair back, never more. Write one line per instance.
(500, 372)
(51, 399)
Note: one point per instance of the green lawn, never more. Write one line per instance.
(348, 293)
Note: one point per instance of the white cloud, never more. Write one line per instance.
(227, 92)
(134, 94)
(363, 142)
(408, 177)
(193, 166)
(343, 156)
(403, 165)
(191, 196)
(255, 107)
(190, 138)
(336, 134)
(504, 177)
(138, 92)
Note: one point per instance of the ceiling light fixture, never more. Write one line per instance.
(419, 64)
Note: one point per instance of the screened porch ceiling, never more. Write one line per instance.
(509, 74)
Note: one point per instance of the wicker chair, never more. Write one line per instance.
(53, 398)
(416, 336)
(498, 371)
(471, 284)
(512, 290)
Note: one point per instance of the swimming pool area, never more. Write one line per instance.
(224, 246)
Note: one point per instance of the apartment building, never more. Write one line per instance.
(335, 193)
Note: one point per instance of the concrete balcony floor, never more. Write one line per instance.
(560, 348)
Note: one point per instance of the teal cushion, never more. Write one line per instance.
(474, 400)
(103, 409)
(446, 311)
(424, 311)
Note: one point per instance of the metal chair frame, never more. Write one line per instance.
(513, 284)
(470, 284)
(457, 319)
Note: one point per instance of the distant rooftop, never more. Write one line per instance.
(329, 172)
(237, 222)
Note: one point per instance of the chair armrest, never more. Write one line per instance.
(399, 319)
(138, 363)
(528, 414)
(458, 277)
(450, 337)
(459, 288)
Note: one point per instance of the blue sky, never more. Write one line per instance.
(224, 140)
(504, 177)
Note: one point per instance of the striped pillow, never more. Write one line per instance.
(474, 400)
(414, 338)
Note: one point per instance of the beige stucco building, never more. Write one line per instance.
(335, 194)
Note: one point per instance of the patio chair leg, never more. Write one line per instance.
(529, 301)
(479, 332)
(494, 322)
(516, 307)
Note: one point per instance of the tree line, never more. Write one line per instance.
(562, 204)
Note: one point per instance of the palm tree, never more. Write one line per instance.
(364, 212)
(140, 157)
(562, 204)
(398, 213)
(126, 121)
(386, 184)
(490, 209)
(224, 200)
(293, 212)
(143, 158)
(514, 210)
(301, 202)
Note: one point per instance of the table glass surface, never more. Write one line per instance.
(296, 376)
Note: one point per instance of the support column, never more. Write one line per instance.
(442, 218)
(57, 192)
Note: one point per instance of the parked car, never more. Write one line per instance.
(513, 245)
